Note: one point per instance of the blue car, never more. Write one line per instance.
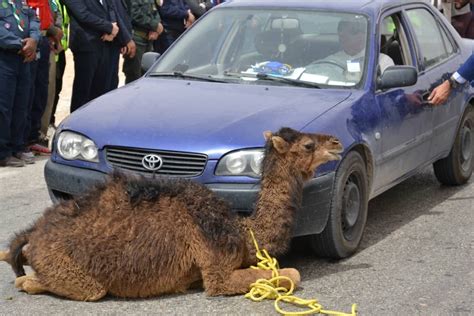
(357, 70)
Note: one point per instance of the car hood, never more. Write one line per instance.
(194, 116)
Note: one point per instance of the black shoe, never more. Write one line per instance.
(12, 162)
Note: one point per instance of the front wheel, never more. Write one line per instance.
(348, 211)
(456, 169)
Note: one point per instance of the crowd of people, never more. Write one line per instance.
(34, 35)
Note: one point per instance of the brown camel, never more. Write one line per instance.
(140, 237)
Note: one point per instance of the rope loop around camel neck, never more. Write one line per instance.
(270, 289)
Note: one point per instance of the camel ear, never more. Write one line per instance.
(267, 135)
(280, 144)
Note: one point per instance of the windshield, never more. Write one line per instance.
(272, 46)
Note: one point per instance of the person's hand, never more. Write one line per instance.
(107, 37)
(29, 49)
(115, 29)
(190, 20)
(129, 50)
(55, 46)
(152, 35)
(440, 94)
(160, 29)
(59, 34)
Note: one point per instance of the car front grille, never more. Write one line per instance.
(175, 164)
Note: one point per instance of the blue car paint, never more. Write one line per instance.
(397, 134)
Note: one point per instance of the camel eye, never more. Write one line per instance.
(309, 146)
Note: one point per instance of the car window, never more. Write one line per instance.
(304, 46)
(434, 45)
(393, 42)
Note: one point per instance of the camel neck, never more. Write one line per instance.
(279, 198)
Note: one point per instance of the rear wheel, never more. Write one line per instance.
(348, 212)
(457, 168)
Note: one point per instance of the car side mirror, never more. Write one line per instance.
(148, 60)
(397, 76)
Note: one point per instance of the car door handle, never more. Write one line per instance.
(424, 98)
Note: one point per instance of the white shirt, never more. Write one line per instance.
(355, 64)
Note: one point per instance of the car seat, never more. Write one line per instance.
(273, 43)
(392, 48)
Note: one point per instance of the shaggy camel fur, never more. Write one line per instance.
(139, 237)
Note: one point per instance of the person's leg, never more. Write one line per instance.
(8, 79)
(132, 66)
(60, 67)
(20, 113)
(31, 97)
(85, 64)
(41, 91)
(46, 118)
(165, 40)
(101, 77)
(114, 67)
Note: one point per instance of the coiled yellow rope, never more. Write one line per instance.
(271, 289)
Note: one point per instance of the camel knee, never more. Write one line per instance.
(33, 287)
(237, 282)
(92, 297)
(30, 284)
(292, 274)
(20, 280)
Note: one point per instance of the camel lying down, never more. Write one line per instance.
(139, 237)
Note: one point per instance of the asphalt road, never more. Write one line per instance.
(417, 258)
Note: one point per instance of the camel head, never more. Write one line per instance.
(303, 151)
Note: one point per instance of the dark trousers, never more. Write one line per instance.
(132, 67)
(60, 67)
(114, 67)
(38, 92)
(165, 40)
(91, 75)
(14, 87)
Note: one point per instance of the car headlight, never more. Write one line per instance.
(75, 146)
(241, 163)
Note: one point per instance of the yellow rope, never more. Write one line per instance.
(271, 289)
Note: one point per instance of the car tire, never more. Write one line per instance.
(348, 211)
(456, 169)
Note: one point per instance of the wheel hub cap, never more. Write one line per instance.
(466, 146)
(351, 205)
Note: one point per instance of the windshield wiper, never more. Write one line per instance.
(263, 76)
(295, 82)
(179, 74)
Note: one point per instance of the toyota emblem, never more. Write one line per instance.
(152, 162)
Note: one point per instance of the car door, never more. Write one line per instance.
(406, 122)
(440, 57)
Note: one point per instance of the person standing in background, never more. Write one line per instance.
(56, 48)
(123, 43)
(19, 36)
(176, 17)
(147, 27)
(40, 79)
(93, 26)
(60, 61)
(462, 19)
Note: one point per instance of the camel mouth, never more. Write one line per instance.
(334, 153)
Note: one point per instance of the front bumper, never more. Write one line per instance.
(64, 182)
